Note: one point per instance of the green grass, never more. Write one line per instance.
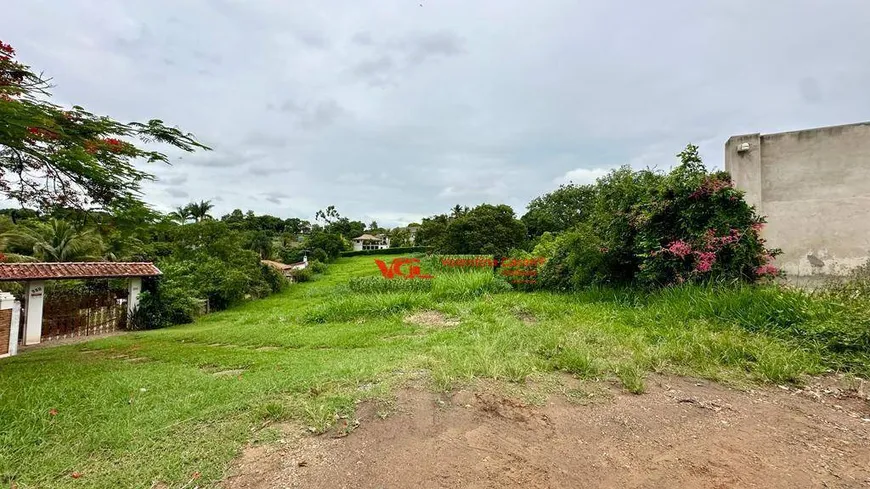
(309, 354)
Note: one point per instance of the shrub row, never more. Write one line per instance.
(388, 251)
(651, 229)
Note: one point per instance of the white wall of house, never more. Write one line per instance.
(362, 245)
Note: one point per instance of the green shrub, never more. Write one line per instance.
(651, 228)
(323, 243)
(302, 274)
(273, 279)
(291, 255)
(161, 306)
(388, 251)
(319, 255)
(317, 266)
(209, 261)
(522, 270)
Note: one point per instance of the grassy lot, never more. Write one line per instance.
(179, 403)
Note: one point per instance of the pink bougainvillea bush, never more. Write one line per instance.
(653, 228)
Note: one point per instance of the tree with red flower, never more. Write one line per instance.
(51, 156)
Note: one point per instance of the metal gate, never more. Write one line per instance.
(72, 314)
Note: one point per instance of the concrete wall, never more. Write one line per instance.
(814, 188)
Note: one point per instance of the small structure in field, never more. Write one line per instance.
(287, 269)
(63, 316)
(370, 242)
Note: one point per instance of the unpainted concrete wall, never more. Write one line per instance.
(814, 188)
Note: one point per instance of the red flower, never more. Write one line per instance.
(6, 49)
(113, 142)
(52, 412)
(765, 270)
(710, 187)
(41, 133)
(679, 248)
(706, 259)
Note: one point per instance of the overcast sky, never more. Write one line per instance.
(395, 109)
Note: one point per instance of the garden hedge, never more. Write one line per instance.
(388, 251)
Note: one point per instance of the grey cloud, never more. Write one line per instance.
(172, 181)
(374, 67)
(411, 51)
(313, 40)
(210, 58)
(810, 91)
(230, 158)
(314, 116)
(263, 139)
(432, 45)
(274, 197)
(177, 193)
(408, 111)
(268, 169)
(217, 161)
(362, 38)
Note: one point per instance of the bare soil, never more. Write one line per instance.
(681, 433)
(432, 319)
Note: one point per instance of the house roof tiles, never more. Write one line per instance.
(54, 271)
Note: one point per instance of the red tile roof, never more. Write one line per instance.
(275, 264)
(49, 271)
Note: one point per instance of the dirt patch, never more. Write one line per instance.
(229, 373)
(526, 317)
(431, 319)
(682, 433)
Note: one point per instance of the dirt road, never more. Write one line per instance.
(681, 433)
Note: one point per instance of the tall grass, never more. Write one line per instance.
(468, 285)
(373, 285)
(820, 323)
(155, 411)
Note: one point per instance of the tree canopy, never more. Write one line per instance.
(485, 229)
(559, 210)
(56, 157)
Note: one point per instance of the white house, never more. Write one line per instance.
(369, 242)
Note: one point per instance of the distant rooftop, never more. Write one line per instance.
(367, 237)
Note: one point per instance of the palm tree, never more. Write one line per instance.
(199, 211)
(55, 241)
(181, 214)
